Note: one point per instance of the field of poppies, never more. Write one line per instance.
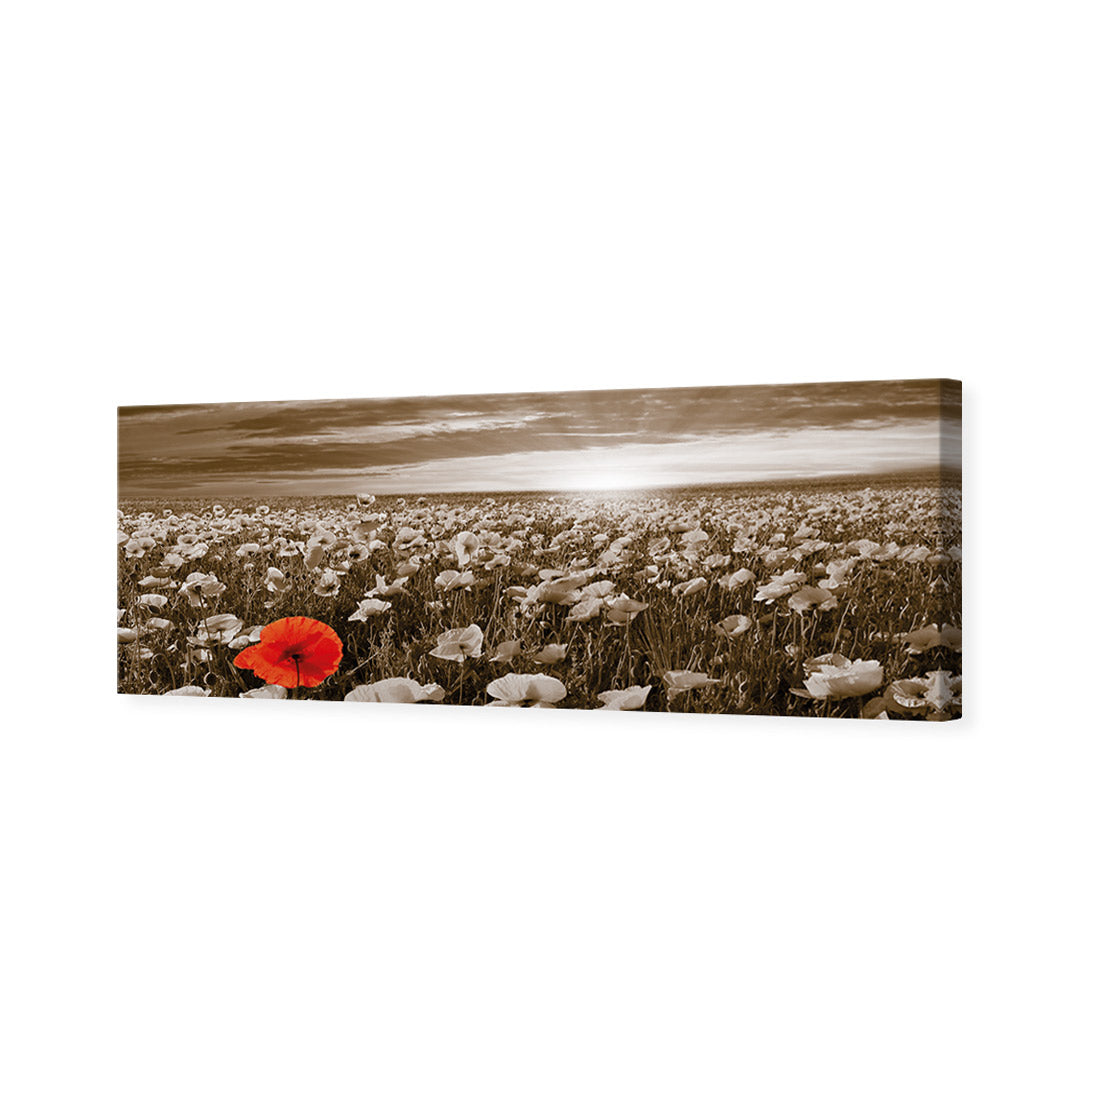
(826, 600)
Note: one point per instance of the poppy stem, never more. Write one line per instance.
(839, 624)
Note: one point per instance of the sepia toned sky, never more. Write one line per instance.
(609, 439)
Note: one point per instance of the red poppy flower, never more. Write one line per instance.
(294, 652)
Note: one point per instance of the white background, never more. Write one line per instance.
(235, 200)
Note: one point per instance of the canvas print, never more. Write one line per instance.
(772, 550)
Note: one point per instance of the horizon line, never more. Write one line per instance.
(941, 471)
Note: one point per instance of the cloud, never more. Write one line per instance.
(533, 440)
(698, 460)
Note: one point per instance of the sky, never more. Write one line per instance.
(576, 441)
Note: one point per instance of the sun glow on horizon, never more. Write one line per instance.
(601, 480)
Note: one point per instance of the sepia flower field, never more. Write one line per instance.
(822, 600)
